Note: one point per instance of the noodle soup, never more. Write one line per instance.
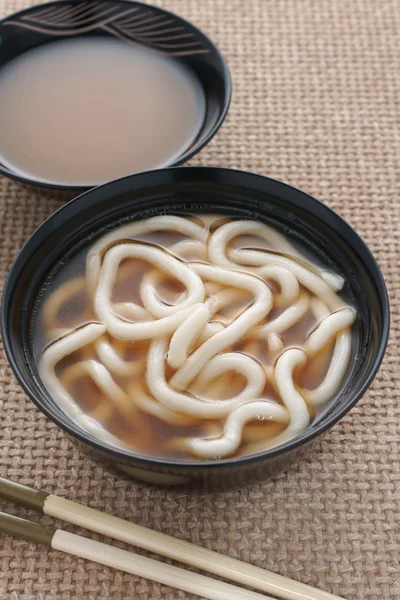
(194, 338)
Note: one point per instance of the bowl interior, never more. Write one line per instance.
(132, 22)
(188, 191)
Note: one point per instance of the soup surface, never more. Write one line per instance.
(194, 338)
(88, 110)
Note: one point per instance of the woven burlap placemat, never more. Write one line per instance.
(316, 100)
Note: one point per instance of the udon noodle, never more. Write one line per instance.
(201, 337)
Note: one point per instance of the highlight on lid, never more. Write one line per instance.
(194, 338)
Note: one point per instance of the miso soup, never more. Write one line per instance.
(88, 110)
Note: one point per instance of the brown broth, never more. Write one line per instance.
(85, 111)
(147, 434)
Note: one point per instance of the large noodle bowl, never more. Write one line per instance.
(195, 338)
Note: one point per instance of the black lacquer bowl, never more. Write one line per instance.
(190, 190)
(132, 22)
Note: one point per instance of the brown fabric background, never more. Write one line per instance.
(316, 103)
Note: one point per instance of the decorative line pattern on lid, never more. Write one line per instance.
(162, 32)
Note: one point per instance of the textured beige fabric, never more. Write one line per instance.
(316, 103)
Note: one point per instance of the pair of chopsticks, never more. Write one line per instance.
(153, 541)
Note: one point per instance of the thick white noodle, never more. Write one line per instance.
(285, 320)
(209, 330)
(223, 235)
(319, 309)
(275, 343)
(227, 298)
(335, 281)
(62, 294)
(328, 328)
(339, 361)
(147, 329)
(134, 312)
(192, 249)
(336, 371)
(239, 363)
(168, 264)
(220, 239)
(186, 334)
(231, 438)
(257, 311)
(46, 367)
(131, 311)
(180, 402)
(150, 406)
(144, 330)
(158, 223)
(305, 276)
(292, 399)
(150, 298)
(111, 359)
(156, 307)
(286, 280)
(102, 378)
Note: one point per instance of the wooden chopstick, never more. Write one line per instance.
(160, 543)
(123, 560)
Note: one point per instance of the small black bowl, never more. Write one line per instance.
(153, 27)
(190, 190)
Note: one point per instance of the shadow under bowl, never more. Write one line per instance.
(189, 190)
(132, 22)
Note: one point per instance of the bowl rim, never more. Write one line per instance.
(185, 156)
(124, 185)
